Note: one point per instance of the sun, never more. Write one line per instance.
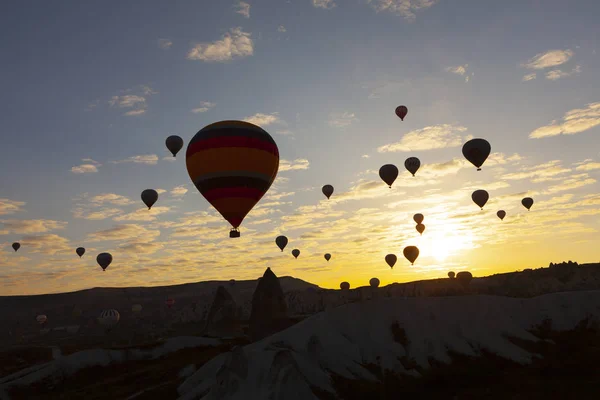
(443, 240)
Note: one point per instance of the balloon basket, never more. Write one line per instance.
(234, 233)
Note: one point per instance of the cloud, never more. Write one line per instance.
(135, 101)
(149, 159)
(133, 113)
(459, 70)
(125, 232)
(96, 215)
(10, 206)
(204, 107)
(588, 165)
(284, 132)
(164, 44)
(365, 156)
(46, 244)
(143, 214)
(234, 44)
(428, 138)
(281, 29)
(556, 74)
(326, 4)
(243, 8)
(574, 121)
(31, 225)
(529, 77)
(111, 198)
(403, 8)
(384, 87)
(179, 191)
(299, 163)
(89, 166)
(574, 182)
(342, 120)
(261, 119)
(551, 58)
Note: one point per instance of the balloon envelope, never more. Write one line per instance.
(391, 259)
(374, 282)
(527, 202)
(388, 173)
(281, 242)
(149, 197)
(420, 228)
(412, 164)
(41, 319)
(16, 246)
(344, 286)
(401, 112)
(327, 256)
(232, 164)
(411, 253)
(480, 197)
(464, 278)
(327, 190)
(418, 218)
(174, 144)
(501, 214)
(109, 318)
(476, 151)
(104, 260)
(295, 253)
(80, 251)
(451, 274)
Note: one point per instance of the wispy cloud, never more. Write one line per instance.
(134, 99)
(587, 165)
(460, 70)
(261, 119)
(234, 44)
(149, 159)
(204, 107)
(281, 29)
(179, 191)
(341, 120)
(88, 166)
(529, 77)
(299, 163)
(27, 226)
(142, 214)
(111, 198)
(243, 8)
(428, 138)
(539, 173)
(574, 121)
(556, 74)
(8, 206)
(403, 8)
(164, 44)
(551, 58)
(326, 4)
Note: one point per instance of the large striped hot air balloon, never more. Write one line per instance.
(232, 164)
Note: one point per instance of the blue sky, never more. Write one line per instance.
(90, 92)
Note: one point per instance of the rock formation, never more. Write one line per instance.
(222, 319)
(269, 309)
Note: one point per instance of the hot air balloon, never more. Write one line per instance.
(109, 318)
(281, 242)
(174, 144)
(16, 246)
(136, 308)
(476, 151)
(344, 286)
(501, 214)
(420, 228)
(527, 202)
(418, 218)
(374, 282)
(401, 112)
(464, 278)
(80, 251)
(327, 256)
(104, 260)
(411, 253)
(391, 259)
(170, 302)
(327, 191)
(412, 164)
(232, 282)
(451, 274)
(480, 197)
(232, 164)
(41, 319)
(149, 197)
(388, 173)
(295, 253)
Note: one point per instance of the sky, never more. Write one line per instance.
(90, 91)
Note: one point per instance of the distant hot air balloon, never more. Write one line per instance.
(295, 253)
(411, 253)
(174, 144)
(451, 274)
(476, 151)
(391, 259)
(418, 218)
(401, 112)
(374, 282)
(41, 319)
(327, 191)
(464, 278)
(327, 256)
(104, 260)
(412, 164)
(136, 308)
(420, 228)
(149, 197)
(16, 246)
(527, 202)
(232, 164)
(388, 173)
(232, 282)
(281, 242)
(501, 214)
(344, 286)
(109, 318)
(80, 251)
(480, 197)
(170, 302)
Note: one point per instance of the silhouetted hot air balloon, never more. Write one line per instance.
(476, 151)
(418, 218)
(388, 173)
(344, 286)
(295, 253)
(104, 260)
(451, 274)
(411, 253)
(412, 164)
(170, 302)
(232, 282)
(374, 282)
(281, 242)
(327, 256)
(327, 191)
(391, 259)
(174, 144)
(149, 197)
(232, 164)
(420, 228)
(80, 251)
(16, 246)
(527, 202)
(464, 278)
(501, 214)
(480, 197)
(401, 112)
(109, 318)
